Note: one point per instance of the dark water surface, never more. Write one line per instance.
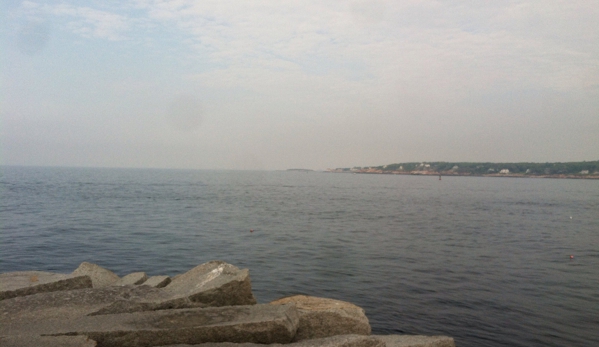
(485, 260)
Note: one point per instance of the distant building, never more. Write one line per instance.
(584, 172)
(455, 167)
(527, 170)
(504, 171)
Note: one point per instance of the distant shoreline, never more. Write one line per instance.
(592, 177)
(572, 170)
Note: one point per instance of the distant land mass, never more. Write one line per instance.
(579, 169)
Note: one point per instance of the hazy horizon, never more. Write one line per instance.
(284, 169)
(274, 86)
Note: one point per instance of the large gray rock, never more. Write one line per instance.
(68, 304)
(333, 341)
(132, 279)
(215, 283)
(321, 317)
(23, 283)
(416, 341)
(100, 276)
(212, 284)
(46, 341)
(157, 281)
(351, 341)
(264, 324)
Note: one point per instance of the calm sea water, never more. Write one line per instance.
(485, 260)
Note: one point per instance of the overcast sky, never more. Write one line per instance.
(297, 84)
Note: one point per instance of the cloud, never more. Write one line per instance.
(84, 21)
(441, 42)
(534, 44)
(89, 22)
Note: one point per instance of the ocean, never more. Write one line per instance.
(485, 260)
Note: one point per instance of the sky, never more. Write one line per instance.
(269, 85)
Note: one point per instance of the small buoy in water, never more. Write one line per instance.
(251, 230)
(571, 257)
(570, 217)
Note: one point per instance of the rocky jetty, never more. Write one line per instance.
(211, 305)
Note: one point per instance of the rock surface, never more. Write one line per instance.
(215, 283)
(100, 276)
(69, 304)
(263, 324)
(212, 284)
(211, 304)
(157, 281)
(321, 317)
(47, 341)
(416, 341)
(132, 279)
(14, 284)
(333, 341)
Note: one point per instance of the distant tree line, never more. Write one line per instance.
(570, 168)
